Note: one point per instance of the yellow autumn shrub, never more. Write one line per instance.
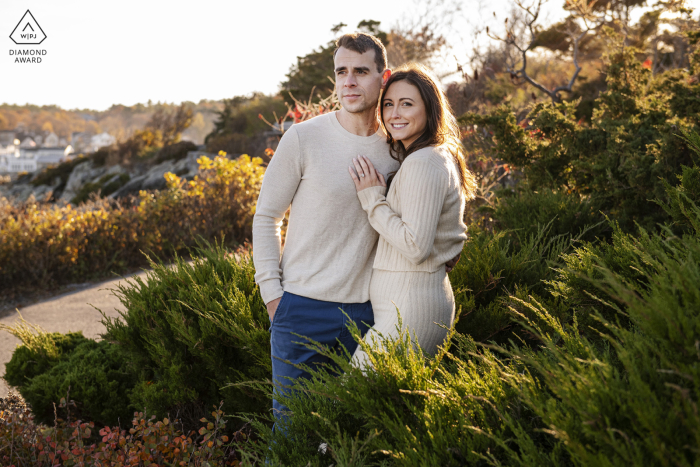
(44, 245)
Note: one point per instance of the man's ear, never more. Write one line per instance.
(385, 77)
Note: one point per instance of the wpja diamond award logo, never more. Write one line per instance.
(28, 32)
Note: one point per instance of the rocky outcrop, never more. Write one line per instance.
(154, 179)
(21, 192)
(87, 173)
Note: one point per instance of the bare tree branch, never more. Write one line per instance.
(582, 10)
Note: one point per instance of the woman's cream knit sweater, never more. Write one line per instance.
(420, 227)
(419, 222)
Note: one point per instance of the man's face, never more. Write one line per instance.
(357, 81)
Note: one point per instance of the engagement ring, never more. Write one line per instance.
(362, 175)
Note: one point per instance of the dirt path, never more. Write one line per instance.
(64, 313)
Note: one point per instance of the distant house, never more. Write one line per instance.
(80, 141)
(27, 142)
(101, 140)
(7, 137)
(45, 157)
(51, 140)
(18, 163)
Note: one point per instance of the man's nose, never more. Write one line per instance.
(350, 81)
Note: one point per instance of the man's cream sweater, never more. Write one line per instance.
(420, 220)
(330, 245)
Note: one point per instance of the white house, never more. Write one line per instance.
(51, 141)
(27, 143)
(101, 140)
(19, 163)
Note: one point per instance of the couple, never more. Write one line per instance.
(352, 246)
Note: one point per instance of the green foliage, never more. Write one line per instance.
(495, 265)
(524, 211)
(687, 193)
(29, 361)
(239, 126)
(408, 409)
(624, 394)
(95, 374)
(191, 329)
(621, 161)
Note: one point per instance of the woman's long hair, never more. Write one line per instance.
(441, 128)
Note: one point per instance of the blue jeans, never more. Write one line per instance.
(321, 321)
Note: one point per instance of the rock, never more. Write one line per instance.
(81, 174)
(154, 177)
(42, 191)
(132, 186)
(20, 192)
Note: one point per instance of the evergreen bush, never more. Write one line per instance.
(568, 213)
(192, 328)
(621, 159)
(625, 393)
(38, 355)
(495, 265)
(96, 375)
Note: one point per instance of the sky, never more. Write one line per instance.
(104, 53)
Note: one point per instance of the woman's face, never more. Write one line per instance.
(403, 112)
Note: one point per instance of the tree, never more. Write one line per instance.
(573, 37)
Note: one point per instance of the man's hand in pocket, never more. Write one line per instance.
(272, 308)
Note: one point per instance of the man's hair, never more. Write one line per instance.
(361, 42)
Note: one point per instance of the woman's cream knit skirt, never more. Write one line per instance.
(425, 301)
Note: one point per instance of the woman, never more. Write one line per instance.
(420, 219)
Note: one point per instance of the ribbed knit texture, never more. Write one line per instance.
(421, 228)
(420, 220)
(329, 245)
(424, 300)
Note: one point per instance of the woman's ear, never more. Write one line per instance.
(385, 77)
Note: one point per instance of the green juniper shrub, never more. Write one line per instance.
(569, 213)
(625, 394)
(621, 160)
(191, 328)
(34, 358)
(408, 409)
(681, 198)
(632, 401)
(494, 265)
(96, 375)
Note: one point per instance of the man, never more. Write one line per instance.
(329, 246)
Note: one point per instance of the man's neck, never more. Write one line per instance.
(361, 123)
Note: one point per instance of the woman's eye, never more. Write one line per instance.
(387, 104)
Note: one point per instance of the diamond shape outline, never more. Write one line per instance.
(20, 22)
